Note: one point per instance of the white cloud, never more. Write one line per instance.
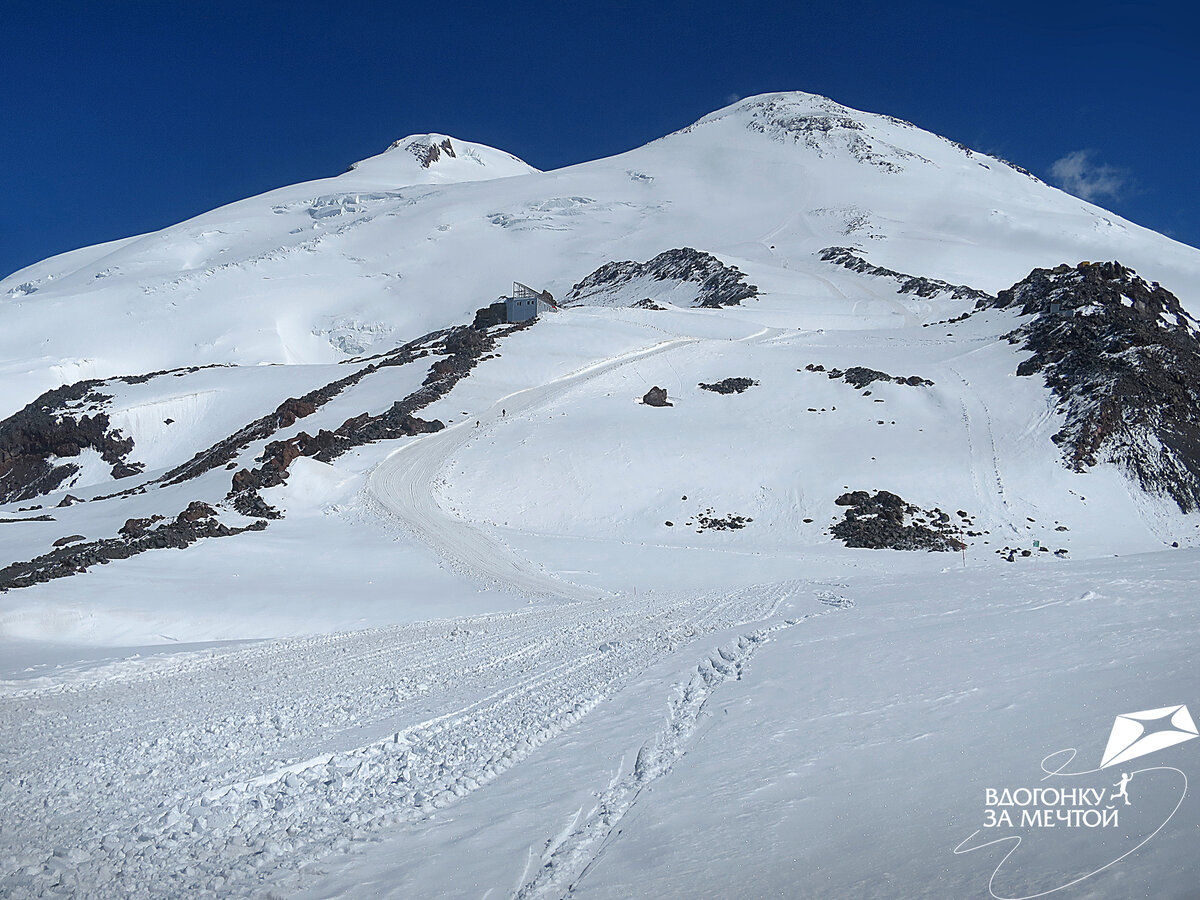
(1077, 174)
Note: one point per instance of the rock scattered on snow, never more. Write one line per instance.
(861, 376)
(884, 521)
(710, 521)
(729, 385)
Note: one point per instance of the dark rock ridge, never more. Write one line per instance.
(456, 343)
(1121, 357)
(464, 347)
(719, 284)
(137, 536)
(861, 376)
(883, 521)
(1012, 165)
(284, 415)
(729, 385)
(909, 284)
(45, 431)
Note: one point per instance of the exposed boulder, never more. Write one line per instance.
(656, 396)
(195, 511)
(294, 408)
(137, 526)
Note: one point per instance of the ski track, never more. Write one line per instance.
(568, 860)
(230, 773)
(983, 453)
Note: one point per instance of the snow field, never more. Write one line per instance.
(211, 775)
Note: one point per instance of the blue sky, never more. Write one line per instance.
(117, 119)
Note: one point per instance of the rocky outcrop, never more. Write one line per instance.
(38, 442)
(429, 153)
(493, 314)
(1121, 357)
(716, 284)
(927, 288)
(884, 521)
(860, 376)
(462, 346)
(729, 385)
(137, 536)
(284, 416)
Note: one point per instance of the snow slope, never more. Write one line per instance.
(653, 746)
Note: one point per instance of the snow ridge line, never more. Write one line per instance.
(556, 876)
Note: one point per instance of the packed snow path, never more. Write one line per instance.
(403, 486)
(229, 772)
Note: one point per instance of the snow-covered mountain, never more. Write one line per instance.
(872, 340)
(393, 249)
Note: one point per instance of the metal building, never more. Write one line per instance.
(525, 303)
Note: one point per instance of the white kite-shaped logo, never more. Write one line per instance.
(1139, 733)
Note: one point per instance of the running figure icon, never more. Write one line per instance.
(1123, 784)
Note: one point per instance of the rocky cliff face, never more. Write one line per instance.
(38, 443)
(715, 284)
(1123, 360)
